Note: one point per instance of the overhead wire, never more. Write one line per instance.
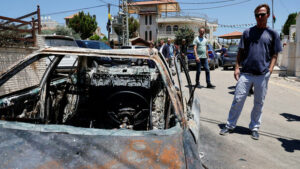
(215, 2)
(60, 12)
(284, 6)
(112, 4)
(218, 6)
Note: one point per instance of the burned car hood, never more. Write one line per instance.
(55, 147)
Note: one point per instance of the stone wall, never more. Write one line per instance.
(25, 78)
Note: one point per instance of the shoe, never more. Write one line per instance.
(210, 86)
(255, 135)
(225, 131)
(198, 86)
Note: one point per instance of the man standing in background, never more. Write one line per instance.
(202, 58)
(183, 50)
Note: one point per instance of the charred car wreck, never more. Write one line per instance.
(112, 109)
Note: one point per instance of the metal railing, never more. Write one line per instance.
(189, 16)
(20, 26)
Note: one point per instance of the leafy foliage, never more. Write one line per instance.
(291, 20)
(84, 24)
(94, 37)
(104, 39)
(133, 25)
(184, 33)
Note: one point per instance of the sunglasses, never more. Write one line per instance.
(260, 14)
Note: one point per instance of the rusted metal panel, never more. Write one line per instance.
(27, 149)
(26, 145)
(192, 158)
(14, 20)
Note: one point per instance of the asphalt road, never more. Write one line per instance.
(279, 142)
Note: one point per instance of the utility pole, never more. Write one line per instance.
(272, 14)
(127, 26)
(108, 23)
(123, 22)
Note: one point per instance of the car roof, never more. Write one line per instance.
(57, 37)
(130, 53)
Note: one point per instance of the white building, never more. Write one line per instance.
(161, 19)
(48, 23)
(167, 26)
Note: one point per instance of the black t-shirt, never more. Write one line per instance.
(259, 46)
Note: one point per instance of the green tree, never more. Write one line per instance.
(133, 25)
(291, 20)
(184, 33)
(84, 24)
(95, 37)
(104, 39)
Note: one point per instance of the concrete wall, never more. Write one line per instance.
(297, 41)
(26, 78)
(291, 58)
(292, 31)
(282, 60)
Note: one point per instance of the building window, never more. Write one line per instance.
(150, 19)
(146, 35)
(175, 28)
(146, 20)
(150, 35)
(168, 29)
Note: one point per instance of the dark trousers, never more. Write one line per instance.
(204, 63)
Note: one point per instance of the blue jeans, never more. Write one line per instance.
(203, 62)
(260, 84)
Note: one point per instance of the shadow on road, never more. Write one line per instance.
(231, 88)
(287, 142)
(238, 129)
(290, 145)
(251, 92)
(290, 117)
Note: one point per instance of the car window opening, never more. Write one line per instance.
(100, 92)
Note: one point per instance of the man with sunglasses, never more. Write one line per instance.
(258, 50)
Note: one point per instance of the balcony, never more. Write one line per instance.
(184, 18)
(165, 34)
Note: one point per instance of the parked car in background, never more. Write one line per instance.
(57, 41)
(214, 63)
(129, 116)
(229, 58)
(92, 44)
(219, 55)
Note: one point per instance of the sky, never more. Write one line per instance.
(227, 12)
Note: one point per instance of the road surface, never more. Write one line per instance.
(279, 142)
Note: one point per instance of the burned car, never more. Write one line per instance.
(108, 111)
